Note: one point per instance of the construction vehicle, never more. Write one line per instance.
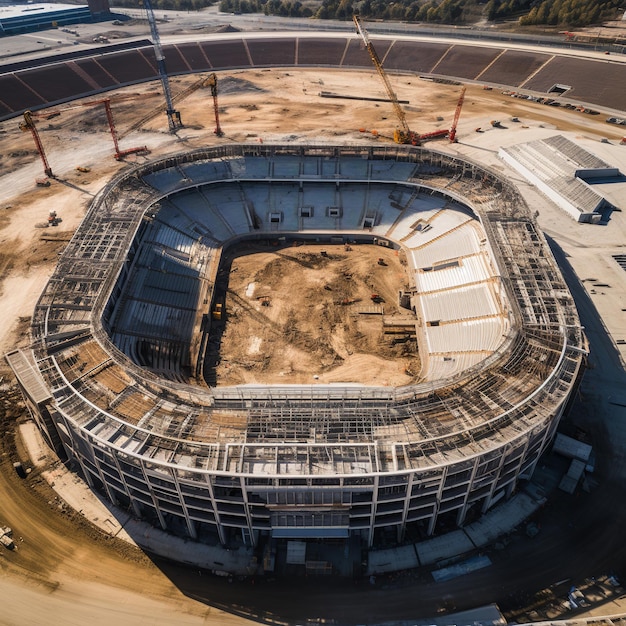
(211, 82)
(5, 537)
(403, 134)
(173, 116)
(29, 125)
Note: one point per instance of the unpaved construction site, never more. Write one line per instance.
(292, 314)
(255, 106)
(311, 313)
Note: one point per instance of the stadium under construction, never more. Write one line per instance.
(114, 373)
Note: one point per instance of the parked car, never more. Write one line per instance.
(577, 598)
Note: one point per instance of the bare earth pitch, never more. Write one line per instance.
(315, 312)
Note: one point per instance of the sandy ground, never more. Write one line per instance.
(329, 329)
(62, 559)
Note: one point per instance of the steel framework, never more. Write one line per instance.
(314, 461)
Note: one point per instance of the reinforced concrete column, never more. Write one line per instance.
(220, 530)
(106, 487)
(246, 505)
(155, 502)
(405, 512)
(496, 478)
(191, 527)
(433, 519)
(370, 540)
(460, 517)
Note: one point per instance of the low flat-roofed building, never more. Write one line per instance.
(560, 169)
(21, 18)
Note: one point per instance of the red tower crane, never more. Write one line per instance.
(119, 154)
(457, 114)
(29, 125)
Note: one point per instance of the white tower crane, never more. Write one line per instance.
(173, 116)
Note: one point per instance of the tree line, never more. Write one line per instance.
(166, 5)
(565, 13)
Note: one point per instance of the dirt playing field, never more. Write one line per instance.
(60, 554)
(316, 313)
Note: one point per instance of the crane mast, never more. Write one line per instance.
(457, 114)
(119, 154)
(29, 125)
(173, 116)
(402, 134)
(212, 82)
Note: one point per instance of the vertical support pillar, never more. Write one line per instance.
(191, 527)
(495, 480)
(246, 504)
(155, 502)
(433, 519)
(220, 530)
(460, 518)
(407, 501)
(370, 539)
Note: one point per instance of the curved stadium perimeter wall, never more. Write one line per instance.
(43, 82)
(315, 461)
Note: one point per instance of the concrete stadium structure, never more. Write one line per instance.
(123, 324)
